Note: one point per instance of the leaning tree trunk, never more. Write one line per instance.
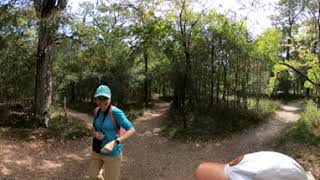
(48, 13)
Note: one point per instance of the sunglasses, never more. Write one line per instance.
(102, 98)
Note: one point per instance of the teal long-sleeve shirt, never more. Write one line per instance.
(108, 129)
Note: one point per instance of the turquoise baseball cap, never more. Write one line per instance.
(104, 91)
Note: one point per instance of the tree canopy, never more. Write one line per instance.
(140, 48)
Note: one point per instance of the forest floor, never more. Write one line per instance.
(149, 155)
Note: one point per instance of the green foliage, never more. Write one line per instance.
(223, 121)
(281, 75)
(190, 57)
(313, 72)
(269, 45)
(62, 128)
(264, 107)
(307, 129)
(17, 48)
(306, 64)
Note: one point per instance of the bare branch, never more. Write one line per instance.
(98, 24)
(301, 73)
(180, 18)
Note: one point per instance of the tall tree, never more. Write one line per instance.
(49, 14)
(313, 7)
(289, 14)
(144, 22)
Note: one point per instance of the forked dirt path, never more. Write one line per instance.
(148, 156)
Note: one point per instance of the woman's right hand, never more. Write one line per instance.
(99, 135)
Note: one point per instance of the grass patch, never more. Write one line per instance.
(220, 122)
(265, 106)
(16, 122)
(60, 128)
(307, 129)
(133, 114)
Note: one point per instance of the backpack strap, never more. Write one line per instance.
(112, 118)
(97, 112)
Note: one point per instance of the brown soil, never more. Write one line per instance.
(147, 155)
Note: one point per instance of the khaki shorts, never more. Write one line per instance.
(111, 167)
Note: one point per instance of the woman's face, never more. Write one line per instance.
(103, 102)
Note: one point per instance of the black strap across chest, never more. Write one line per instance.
(104, 116)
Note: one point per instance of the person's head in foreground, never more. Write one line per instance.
(263, 165)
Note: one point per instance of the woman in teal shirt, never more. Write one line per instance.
(107, 144)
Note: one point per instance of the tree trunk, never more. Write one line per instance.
(289, 42)
(146, 83)
(225, 86)
(73, 93)
(245, 90)
(318, 33)
(237, 100)
(48, 12)
(212, 74)
(43, 90)
(218, 83)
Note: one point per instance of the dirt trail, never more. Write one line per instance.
(147, 155)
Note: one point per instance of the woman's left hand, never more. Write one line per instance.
(108, 147)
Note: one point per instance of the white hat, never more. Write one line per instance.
(265, 165)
